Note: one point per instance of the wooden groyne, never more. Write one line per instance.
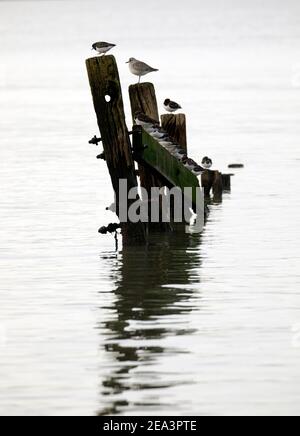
(156, 166)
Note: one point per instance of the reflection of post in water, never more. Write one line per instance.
(151, 285)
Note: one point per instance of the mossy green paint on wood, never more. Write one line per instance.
(149, 150)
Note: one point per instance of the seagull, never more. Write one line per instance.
(102, 47)
(139, 68)
(206, 162)
(144, 121)
(171, 106)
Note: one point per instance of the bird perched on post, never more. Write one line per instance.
(171, 106)
(198, 170)
(144, 121)
(206, 163)
(102, 47)
(139, 68)
(190, 164)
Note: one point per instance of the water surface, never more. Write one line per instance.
(194, 324)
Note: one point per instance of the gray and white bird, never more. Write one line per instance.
(167, 143)
(180, 154)
(159, 134)
(171, 106)
(139, 68)
(102, 47)
(206, 163)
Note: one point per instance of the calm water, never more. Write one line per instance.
(192, 325)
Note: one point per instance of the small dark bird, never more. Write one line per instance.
(143, 120)
(171, 106)
(102, 47)
(206, 163)
(197, 171)
(190, 164)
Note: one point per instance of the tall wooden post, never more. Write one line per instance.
(143, 99)
(175, 125)
(107, 96)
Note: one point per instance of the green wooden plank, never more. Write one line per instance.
(154, 155)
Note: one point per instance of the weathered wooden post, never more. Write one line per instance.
(207, 180)
(226, 179)
(212, 181)
(175, 125)
(143, 99)
(108, 102)
(217, 186)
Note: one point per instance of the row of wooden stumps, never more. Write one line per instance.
(108, 103)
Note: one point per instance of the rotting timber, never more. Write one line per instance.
(157, 167)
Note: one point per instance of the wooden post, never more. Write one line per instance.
(212, 180)
(207, 180)
(175, 125)
(107, 96)
(226, 179)
(217, 186)
(143, 99)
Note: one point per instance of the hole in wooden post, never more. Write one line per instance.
(107, 98)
